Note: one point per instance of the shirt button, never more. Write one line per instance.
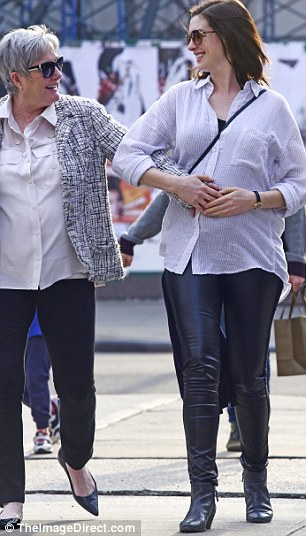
(18, 142)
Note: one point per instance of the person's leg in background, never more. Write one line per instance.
(45, 411)
(37, 393)
(234, 443)
(55, 423)
(250, 300)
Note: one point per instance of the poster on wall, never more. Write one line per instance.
(174, 64)
(288, 77)
(128, 81)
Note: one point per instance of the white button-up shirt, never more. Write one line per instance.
(260, 150)
(35, 250)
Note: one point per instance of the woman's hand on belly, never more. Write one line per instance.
(233, 201)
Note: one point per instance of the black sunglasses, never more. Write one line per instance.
(197, 36)
(47, 69)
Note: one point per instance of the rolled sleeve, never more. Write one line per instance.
(292, 174)
(150, 133)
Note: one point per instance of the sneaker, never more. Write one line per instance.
(42, 443)
(234, 444)
(54, 422)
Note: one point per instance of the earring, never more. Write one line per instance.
(201, 75)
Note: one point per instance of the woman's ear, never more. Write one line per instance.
(15, 77)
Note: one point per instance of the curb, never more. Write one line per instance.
(135, 346)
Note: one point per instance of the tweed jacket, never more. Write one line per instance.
(86, 136)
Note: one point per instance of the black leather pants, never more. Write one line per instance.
(195, 301)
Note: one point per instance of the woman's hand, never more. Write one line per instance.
(297, 282)
(197, 190)
(126, 259)
(232, 202)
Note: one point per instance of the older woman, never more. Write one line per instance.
(56, 242)
(231, 253)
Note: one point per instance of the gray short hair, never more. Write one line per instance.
(21, 48)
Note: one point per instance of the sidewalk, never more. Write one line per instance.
(139, 459)
(132, 326)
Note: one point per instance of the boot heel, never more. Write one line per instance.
(211, 518)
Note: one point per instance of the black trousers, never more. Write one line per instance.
(194, 304)
(66, 312)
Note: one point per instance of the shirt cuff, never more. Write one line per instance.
(296, 268)
(126, 246)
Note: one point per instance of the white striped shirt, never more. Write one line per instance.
(262, 149)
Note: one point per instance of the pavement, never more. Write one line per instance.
(139, 459)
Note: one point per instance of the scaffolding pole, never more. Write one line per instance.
(122, 19)
(68, 20)
(149, 18)
(268, 20)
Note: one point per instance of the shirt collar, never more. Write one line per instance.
(49, 113)
(249, 86)
(204, 82)
(253, 86)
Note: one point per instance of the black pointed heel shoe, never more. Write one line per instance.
(10, 524)
(202, 508)
(258, 505)
(90, 502)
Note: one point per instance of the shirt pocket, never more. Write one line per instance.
(251, 149)
(9, 176)
(45, 164)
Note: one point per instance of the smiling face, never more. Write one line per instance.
(209, 54)
(35, 91)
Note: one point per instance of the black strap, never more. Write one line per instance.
(210, 146)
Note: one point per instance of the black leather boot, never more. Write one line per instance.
(202, 508)
(258, 506)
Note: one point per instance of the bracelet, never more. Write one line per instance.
(258, 203)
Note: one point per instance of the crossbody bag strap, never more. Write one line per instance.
(210, 146)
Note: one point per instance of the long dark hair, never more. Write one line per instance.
(241, 42)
